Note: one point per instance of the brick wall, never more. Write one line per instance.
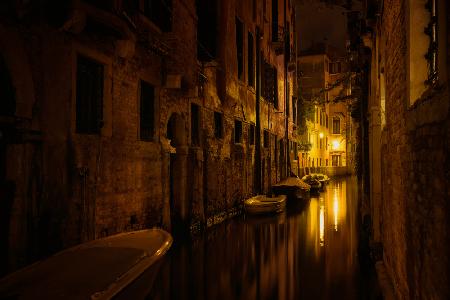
(415, 182)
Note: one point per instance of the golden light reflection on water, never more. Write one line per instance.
(322, 223)
(303, 254)
(335, 210)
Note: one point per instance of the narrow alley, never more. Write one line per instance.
(224, 149)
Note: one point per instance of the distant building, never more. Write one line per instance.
(328, 129)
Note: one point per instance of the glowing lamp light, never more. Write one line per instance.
(335, 145)
(321, 135)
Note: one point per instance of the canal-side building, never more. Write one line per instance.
(407, 48)
(326, 128)
(120, 115)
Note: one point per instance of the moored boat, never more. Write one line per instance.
(262, 204)
(99, 269)
(293, 187)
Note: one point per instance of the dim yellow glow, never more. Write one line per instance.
(322, 225)
(336, 209)
(321, 135)
(335, 145)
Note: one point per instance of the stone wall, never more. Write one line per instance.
(414, 170)
(62, 187)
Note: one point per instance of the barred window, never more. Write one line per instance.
(432, 53)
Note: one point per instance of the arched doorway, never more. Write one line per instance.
(176, 133)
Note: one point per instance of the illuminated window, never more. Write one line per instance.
(89, 96)
(147, 112)
(336, 126)
(336, 160)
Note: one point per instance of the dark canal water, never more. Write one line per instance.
(309, 252)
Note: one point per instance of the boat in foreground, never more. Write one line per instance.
(262, 204)
(98, 269)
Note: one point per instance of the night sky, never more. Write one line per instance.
(318, 21)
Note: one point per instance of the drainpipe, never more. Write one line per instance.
(257, 173)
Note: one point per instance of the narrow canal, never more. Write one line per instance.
(308, 252)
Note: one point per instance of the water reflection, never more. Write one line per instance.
(302, 255)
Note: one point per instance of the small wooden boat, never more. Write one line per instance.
(261, 204)
(293, 187)
(99, 269)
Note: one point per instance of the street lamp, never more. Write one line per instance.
(335, 145)
(321, 135)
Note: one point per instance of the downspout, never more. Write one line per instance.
(257, 177)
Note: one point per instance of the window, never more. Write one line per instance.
(7, 91)
(195, 124)
(426, 46)
(275, 20)
(326, 143)
(207, 31)
(266, 139)
(160, 13)
(326, 121)
(89, 98)
(269, 84)
(251, 134)
(432, 53)
(147, 112)
(335, 67)
(251, 61)
(326, 162)
(336, 126)
(240, 48)
(218, 125)
(237, 131)
(336, 160)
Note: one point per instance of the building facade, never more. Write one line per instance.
(407, 61)
(120, 115)
(328, 128)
